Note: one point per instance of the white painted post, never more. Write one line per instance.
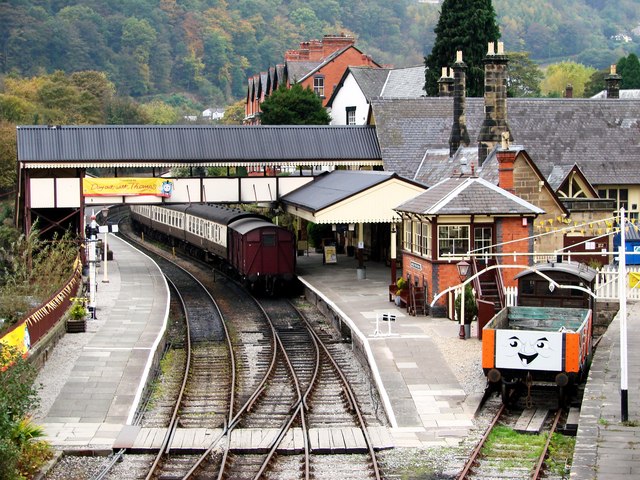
(105, 278)
(92, 265)
(622, 292)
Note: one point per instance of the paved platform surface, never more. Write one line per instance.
(606, 448)
(106, 380)
(425, 402)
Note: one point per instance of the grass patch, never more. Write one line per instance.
(560, 453)
(509, 447)
(503, 439)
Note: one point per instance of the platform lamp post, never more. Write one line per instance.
(463, 271)
(105, 214)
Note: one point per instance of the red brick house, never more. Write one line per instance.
(317, 64)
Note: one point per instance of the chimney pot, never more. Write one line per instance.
(459, 56)
(444, 72)
(490, 49)
(500, 48)
(613, 69)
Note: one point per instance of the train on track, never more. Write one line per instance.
(548, 337)
(260, 254)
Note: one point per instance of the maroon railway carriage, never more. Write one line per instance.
(262, 254)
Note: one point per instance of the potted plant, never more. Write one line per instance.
(401, 284)
(77, 321)
(470, 308)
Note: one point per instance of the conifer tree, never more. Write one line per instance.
(467, 25)
(629, 69)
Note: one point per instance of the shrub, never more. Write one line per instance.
(77, 311)
(470, 305)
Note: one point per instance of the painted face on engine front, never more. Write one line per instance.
(527, 350)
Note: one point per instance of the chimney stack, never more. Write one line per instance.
(445, 84)
(495, 101)
(506, 160)
(568, 91)
(613, 83)
(459, 134)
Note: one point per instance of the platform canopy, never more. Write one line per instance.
(348, 196)
(122, 146)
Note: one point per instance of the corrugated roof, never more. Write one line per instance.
(334, 187)
(600, 136)
(468, 196)
(180, 143)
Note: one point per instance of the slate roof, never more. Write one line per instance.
(298, 69)
(600, 136)
(468, 196)
(370, 80)
(405, 83)
(335, 187)
(629, 93)
(140, 144)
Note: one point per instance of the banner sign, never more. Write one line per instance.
(110, 187)
(18, 338)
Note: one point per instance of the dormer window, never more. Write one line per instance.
(318, 85)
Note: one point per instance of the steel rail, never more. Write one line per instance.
(348, 390)
(537, 473)
(259, 390)
(173, 422)
(476, 451)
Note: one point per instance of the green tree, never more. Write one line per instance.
(234, 114)
(524, 76)
(559, 75)
(629, 69)
(596, 83)
(8, 155)
(124, 111)
(159, 113)
(293, 106)
(18, 397)
(467, 25)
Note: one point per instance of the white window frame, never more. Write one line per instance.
(318, 85)
(455, 235)
(350, 115)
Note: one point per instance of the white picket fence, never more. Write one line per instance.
(606, 285)
(605, 288)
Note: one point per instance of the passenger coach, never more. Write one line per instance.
(262, 254)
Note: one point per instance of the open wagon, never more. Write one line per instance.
(525, 345)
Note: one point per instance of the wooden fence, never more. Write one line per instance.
(38, 322)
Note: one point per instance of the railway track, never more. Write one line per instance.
(285, 381)
(516, 444)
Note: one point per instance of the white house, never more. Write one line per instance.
(350, 102)
(213, 113)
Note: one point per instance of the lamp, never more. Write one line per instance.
(463, 271)
(105, 214)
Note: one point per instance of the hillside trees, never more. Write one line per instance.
(466, 25)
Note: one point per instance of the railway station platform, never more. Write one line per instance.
(424, 400)
(108, 365)
(607, 448)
